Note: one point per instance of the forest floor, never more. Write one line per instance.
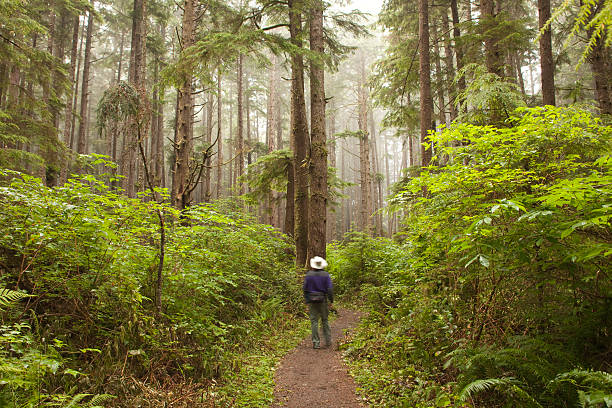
(313, 378)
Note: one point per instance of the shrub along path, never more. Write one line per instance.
(316, 378)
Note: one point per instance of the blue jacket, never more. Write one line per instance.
(318, 280)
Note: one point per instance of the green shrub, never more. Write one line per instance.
(88, 257)
(510, 239)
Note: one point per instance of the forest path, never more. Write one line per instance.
(309, 378)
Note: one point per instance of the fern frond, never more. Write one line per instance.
(74, 402)
(592, 387)
(586, 378)
(478, 386)
(520, 394)
(8, 297)
(98, 400)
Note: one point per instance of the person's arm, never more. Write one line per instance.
(305, 291)
(330, 291)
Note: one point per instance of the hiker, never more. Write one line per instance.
(318, 290)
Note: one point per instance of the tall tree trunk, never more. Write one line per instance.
(450, 68)
(488, 25)
(601, 65)
(458, 46)
(331, 142)
(387, 183)
(157, 127)
(424, 81)
(160, 167)
(231, 147)
(247, 116)
(343, 174)
(364, 154)
(547, 64)
(289, 223)
(240, 126)
(406, 153)
(209, 127)
(519, 73)
(271, 133)
(299, 135)
(183, 144)
(136, 78)
(219, 138)
(439, 83)
(318, 148)
(68, 119)
(73, 131)
(81, 139)
(120, 63)
(377, 182)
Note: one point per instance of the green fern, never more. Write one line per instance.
(8, 297)
(593, 388)
(98, 400)
(479, 386)
(74, 402)
(507, 385)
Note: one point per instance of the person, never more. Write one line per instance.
(318, 290)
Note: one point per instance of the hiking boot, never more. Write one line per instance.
(316, 346)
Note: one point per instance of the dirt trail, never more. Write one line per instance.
(310, 378)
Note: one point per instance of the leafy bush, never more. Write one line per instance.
(88, 257)
(512, 236)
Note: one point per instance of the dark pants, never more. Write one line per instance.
(318, 311)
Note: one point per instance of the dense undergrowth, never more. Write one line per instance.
(87, 258)
(498, 290)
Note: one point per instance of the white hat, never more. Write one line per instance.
(318, 263)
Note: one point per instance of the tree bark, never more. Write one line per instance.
(426, 100)
(136, 78)
(364, 155)
(493, 55)
(160, 167)
(73, 131)
(377, 182)
(68, 118)
(247, 118)
(519, 73)
(318, 148)
(271, 107)
(120, 63)
(458, 46)
(271, 124)
(231, 146)
(81, 139)
(599, 58)
(601, 66)
(209, 127)
(450, 68)
(331, 142)
(183, 143)
(547, 64)
(219, 138)
(439, 83)
(240, 125)
(299, 134)
(387, 182)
